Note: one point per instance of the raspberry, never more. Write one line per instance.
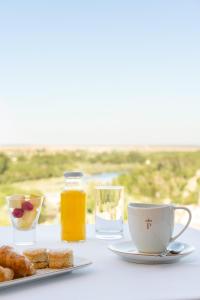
(18, 212)
(27, 205)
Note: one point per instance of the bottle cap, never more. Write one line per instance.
(73, 174)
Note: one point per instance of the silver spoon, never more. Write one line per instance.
(173, 248)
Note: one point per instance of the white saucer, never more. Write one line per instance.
(128, 251)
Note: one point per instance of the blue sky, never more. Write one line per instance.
(100, 72)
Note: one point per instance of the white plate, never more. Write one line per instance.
(79, 263)
(128, 251)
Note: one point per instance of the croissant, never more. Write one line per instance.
(6, 274)
(18, 263)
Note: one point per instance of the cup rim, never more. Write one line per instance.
(14, 196)
(142, 206)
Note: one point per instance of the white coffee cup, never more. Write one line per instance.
(151, 226)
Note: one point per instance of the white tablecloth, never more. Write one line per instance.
(109, 277)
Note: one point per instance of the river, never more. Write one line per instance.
(103, 177)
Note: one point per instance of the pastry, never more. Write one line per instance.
(41, 265)
(6, 274)
(60, 258)
(18, 263)
(38, 257)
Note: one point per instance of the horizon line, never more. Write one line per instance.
(101, 146)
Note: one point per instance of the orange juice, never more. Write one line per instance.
(73, 209)
(73, 215)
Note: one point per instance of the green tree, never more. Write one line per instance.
(4, 161)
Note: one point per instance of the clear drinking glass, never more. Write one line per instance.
(109, 212)
(24, 212)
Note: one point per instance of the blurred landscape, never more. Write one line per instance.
(149, 174)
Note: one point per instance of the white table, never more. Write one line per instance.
(109, 277)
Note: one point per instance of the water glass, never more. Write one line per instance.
(24, 212)
(109, 212)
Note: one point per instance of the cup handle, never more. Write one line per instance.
(187, 224)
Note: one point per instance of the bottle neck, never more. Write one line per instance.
(73, 184)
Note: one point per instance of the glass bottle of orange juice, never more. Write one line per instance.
(73, 208)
